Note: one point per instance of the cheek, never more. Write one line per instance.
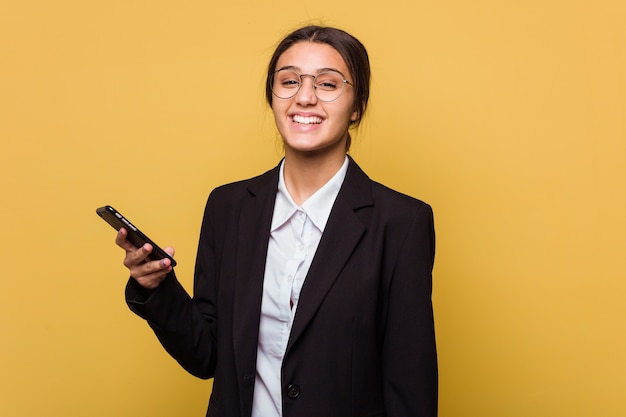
(280, 119)
(280, 107)
(278, 112)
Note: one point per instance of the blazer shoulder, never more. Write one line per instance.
(362, 191)
(234, 191)
(389, 198)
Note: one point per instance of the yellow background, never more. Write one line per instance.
(507, 116)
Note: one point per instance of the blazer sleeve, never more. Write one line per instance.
(409, 352)
(185, 327)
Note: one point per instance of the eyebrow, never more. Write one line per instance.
(298, 69)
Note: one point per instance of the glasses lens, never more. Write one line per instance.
(328, 86)
(285, 83)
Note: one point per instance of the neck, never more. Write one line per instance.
(304, 176)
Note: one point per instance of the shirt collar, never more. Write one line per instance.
(317, 207)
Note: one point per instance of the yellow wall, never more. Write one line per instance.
(508, 117)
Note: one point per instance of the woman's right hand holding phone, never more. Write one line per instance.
(148, 273)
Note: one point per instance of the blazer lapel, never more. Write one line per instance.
(252, 240)
(342, 233)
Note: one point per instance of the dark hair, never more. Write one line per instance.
(351, 50)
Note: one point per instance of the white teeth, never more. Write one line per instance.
(307, 120)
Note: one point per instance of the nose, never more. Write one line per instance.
(306, 93)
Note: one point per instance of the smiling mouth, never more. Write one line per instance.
(307, 120)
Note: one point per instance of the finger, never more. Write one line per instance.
(151, 274)
(137, 256)
(122, 242)
(170, 251)
(149, 268)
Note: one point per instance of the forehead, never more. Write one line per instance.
(311, 57)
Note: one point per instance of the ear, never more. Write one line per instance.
(356, 115)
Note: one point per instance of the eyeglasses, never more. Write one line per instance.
(327, 85)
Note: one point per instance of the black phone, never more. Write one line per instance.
(135, 236)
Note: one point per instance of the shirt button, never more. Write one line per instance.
(293, 391)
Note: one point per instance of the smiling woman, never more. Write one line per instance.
(506, 116)
(313, 283)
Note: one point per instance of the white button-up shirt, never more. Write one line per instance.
(294, 236)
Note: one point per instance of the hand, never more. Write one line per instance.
(148, 273)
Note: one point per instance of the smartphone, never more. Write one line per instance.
(135, 236)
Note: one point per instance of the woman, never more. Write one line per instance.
(312, 291)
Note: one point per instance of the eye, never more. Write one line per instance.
(289, 83)
(326, 85)
(328, 81)
(287, 79)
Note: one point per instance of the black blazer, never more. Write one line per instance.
(362, 342)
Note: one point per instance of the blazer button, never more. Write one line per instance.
(293, 390)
